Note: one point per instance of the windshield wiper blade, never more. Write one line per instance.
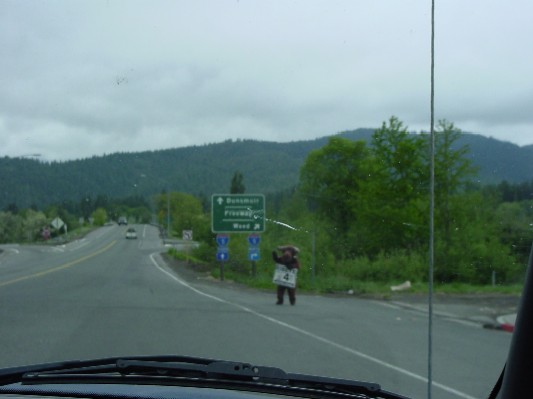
(175, 370)
(14, 374)
(213, 370)
(245, 372)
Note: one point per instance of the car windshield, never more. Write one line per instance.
(272, 161)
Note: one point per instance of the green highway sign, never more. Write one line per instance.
(237, 213)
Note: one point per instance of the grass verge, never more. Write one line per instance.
(342, 285)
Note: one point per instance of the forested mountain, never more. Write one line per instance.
(267, 167)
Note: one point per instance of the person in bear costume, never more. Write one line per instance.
(290, 261)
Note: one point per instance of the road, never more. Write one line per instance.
(108, 296)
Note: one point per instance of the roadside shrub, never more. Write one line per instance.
(396, 266)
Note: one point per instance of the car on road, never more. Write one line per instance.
(131, 233)
(123, 220)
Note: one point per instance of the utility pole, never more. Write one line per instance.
(168, 214)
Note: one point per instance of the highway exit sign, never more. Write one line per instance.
(237, 213)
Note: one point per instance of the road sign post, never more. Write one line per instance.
(187, 236)
(237, 213)
(222, 252)
(253, 251)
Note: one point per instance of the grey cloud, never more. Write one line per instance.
(85, 78)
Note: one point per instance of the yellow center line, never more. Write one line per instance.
(58, 268)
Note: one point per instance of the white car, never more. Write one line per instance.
(131, 233)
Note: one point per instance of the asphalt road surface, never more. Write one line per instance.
(108, 296)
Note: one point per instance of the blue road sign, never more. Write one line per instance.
(254, 239)
(222, 255)
(253, 254)
(222, 240)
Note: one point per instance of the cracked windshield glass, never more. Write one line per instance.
(251, 181)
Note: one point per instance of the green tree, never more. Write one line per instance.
(452, 171)
(69, 219)
(12, 207)
(86, 206)
(475, 249)
(10, 227)
(399, 156)
(237, 184)
(377, 198)
(141, 214)
(514, 220)
(332, 178)
(186, 213)
(393, 212)
(32, 224)
(99, 216)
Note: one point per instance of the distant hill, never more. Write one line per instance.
(499, 160)
(267, 167)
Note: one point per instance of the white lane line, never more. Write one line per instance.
(314, 336)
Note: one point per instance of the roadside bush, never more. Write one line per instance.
(396, 266)
(204, 252)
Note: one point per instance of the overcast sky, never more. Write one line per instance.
(83, 78)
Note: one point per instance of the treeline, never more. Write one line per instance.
(28, 224)
(364, 208)
(268, 167)
(515, 192)
(359, 213)
(198, 169)
(375, 198)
